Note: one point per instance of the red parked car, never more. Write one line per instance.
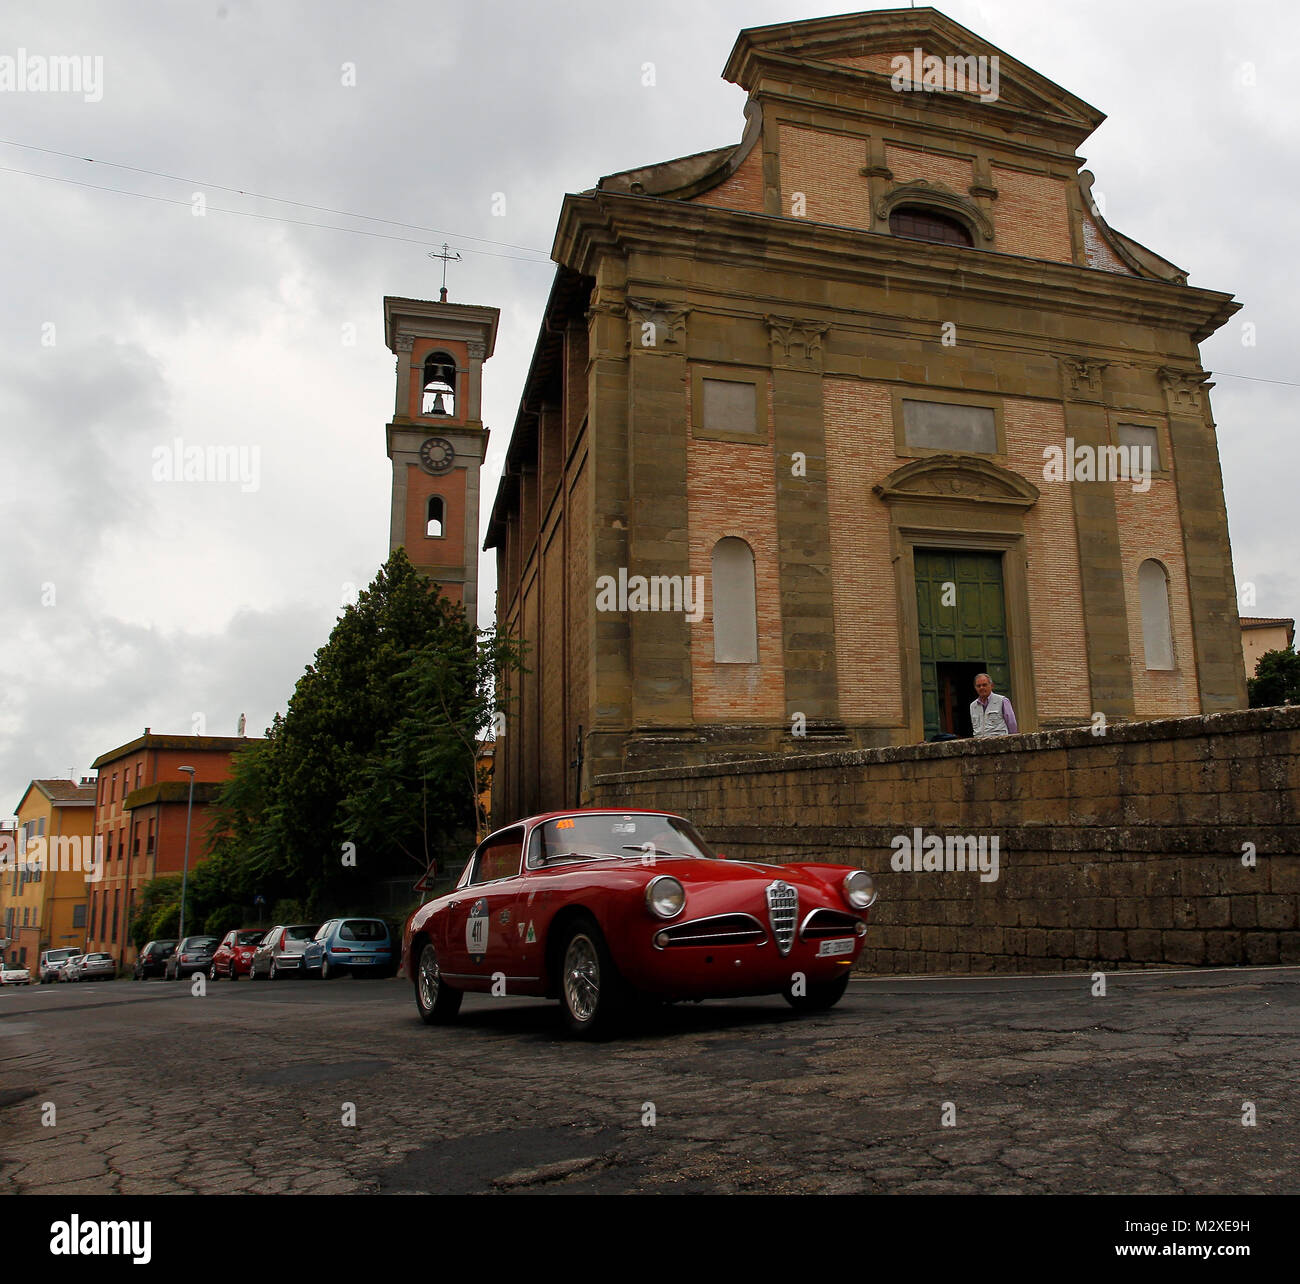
(234, 956)
(597, 907)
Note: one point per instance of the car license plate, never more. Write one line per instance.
(362, 958)
(835, 947)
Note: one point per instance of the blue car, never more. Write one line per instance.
(362, 946)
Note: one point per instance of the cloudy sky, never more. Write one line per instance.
(129, 321)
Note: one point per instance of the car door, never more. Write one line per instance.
(476, 941)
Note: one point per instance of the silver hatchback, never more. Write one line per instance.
(94, 967)
(280, 953)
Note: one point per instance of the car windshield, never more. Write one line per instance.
(363, 929)
(300, 933)
(629, 835)
(198, 942)
(248, 938)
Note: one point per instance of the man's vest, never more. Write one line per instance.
(988, 720)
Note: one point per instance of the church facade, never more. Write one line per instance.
(822, 424)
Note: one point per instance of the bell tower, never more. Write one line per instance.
(437, 439)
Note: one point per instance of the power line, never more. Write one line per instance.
(1227, 374)
(278, 218)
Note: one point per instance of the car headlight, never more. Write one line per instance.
(859, 889)
(665, 896)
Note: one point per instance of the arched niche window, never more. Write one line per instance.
(439, 385)
(1157, 633)
(735, 603)
(919, 223)
(435, 517)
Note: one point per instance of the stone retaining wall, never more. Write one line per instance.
(1117, 849)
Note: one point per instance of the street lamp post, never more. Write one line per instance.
(185, 875)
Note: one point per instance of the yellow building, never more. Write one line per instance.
(1260, 634)
(44, 890)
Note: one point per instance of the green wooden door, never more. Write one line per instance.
(961, 612)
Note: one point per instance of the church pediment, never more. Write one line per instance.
(957, 478)
(870, 46)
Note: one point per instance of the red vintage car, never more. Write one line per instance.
(597, 907)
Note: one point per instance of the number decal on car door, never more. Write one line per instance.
(476, 930)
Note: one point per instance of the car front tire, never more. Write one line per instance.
(591, 991)
(437, 1001)
(820, 996)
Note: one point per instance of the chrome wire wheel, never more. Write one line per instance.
(582, 978)
(437, 1001)
(429, 977)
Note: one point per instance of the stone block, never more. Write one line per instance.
(1277, 911)
(1262, 948)
(1184, 947)
(1144, 945)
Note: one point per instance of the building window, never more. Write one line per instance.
(735, 603)
(117, 900)
(1146, 441)
(1157, 633)
(149, 848)
(439, 385)
(435, 517)
(78, 916)
(917, 223)
(103, 916)
(939, 425)
(729, 406)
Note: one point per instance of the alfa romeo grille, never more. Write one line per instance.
(782, 913)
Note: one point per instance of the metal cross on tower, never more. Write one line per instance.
(446, 258)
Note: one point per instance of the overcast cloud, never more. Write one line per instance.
(130, 322)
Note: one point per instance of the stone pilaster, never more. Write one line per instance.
(1101, 573)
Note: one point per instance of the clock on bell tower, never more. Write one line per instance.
(437, 439)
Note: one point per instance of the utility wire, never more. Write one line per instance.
(277, 218)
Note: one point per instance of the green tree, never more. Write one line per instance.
(375, 751)
(1276, 680)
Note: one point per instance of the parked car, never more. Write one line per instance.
(280, 953)
(193, 954)
(234, 955)
(92, 967)
(68, 968)
(598, 907)
(361, 946)
(12, 974)
(152, 960)
(52, 961)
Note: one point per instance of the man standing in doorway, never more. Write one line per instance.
(991, 714)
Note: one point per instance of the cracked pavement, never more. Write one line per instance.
(1051, 1089)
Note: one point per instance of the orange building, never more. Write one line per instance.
(140, 815)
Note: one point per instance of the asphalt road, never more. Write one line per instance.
(1051, 1090)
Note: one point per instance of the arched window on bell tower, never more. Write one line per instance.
(439, 385)
(435, 515)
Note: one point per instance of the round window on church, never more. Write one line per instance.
(439, 385)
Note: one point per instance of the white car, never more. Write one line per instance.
(15, 976)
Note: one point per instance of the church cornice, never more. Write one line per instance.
(594, 224)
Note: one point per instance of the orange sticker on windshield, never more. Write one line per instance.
(564, 824)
